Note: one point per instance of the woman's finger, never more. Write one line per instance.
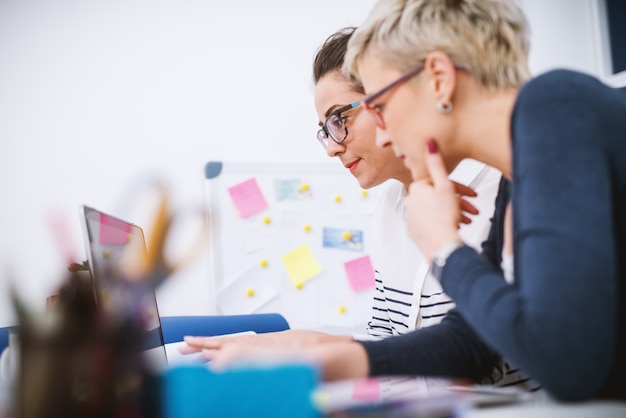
(436, 166)
(464, 190)
(204, 342)
(467, 207)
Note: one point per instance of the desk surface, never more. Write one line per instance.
(539, 405)
(593, 409)
(471, 402)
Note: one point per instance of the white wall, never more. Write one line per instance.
(97, 94)
(562, 35)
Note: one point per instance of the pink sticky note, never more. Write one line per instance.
(366, 390)
(113, 231)
(360, 273)
(247, 197)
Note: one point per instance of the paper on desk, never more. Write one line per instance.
(364, 397)
(176, 358)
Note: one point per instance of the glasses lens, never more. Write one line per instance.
(323, 138)
(336, 128)
(374, 113)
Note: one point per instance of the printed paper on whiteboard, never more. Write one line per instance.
(246, 294)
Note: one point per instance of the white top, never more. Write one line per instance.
(407, 296)
(507, 268)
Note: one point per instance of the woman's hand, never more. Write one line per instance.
(466, 207)
(338, 356)
(432, 208)
(291, 339)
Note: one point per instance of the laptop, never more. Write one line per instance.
(112, 242)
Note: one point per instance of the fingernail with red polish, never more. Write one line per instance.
(432, 146)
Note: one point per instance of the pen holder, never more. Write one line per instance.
(75, 361)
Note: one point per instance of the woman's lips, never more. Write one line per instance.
(352, 166)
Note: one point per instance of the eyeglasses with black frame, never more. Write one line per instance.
(335, 126)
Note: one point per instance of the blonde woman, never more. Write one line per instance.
(448, 80)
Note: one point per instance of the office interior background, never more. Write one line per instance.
(97, 97)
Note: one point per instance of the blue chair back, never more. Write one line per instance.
(4, 337)
(176, 327)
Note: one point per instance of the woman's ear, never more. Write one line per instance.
(442, 76)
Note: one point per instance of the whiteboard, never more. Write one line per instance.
(292, 238)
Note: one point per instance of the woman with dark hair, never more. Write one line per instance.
(407, 297)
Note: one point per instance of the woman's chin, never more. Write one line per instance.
(368, 183)
(417, 173)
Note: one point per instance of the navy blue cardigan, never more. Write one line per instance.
(564, 320)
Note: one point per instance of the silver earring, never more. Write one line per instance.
(444, 107)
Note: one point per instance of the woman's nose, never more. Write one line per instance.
(333, 149)
(382, 138)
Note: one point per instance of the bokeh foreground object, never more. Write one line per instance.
(277, 391)
(77, 361)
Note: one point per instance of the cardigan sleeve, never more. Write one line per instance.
(558, 321)
(448, 349)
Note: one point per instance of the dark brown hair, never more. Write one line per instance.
(329, 57)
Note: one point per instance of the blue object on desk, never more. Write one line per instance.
(279, 391)
(177, 327)
(4, 337)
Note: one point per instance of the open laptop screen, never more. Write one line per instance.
(110, 242)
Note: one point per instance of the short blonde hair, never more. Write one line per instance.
(488, 37)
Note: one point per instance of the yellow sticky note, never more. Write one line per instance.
(301, 265)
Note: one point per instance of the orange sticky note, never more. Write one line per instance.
(247, 198)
